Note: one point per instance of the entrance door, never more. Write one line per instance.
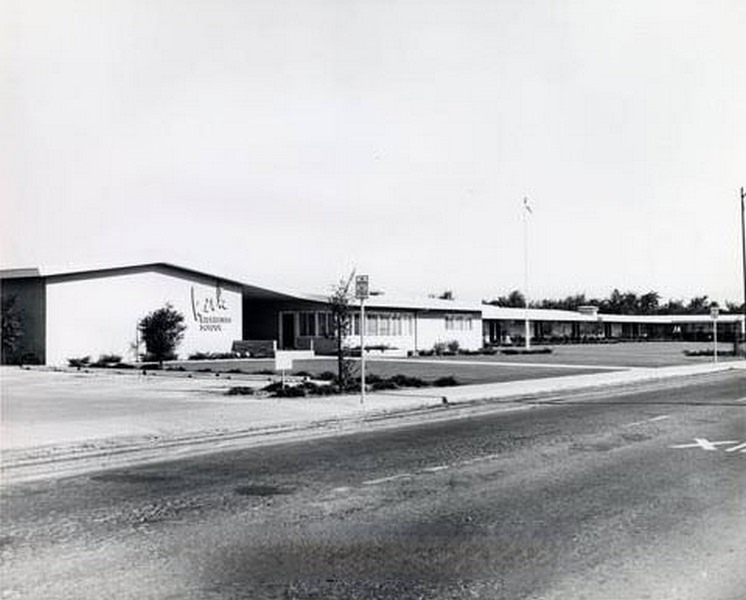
(287, 334)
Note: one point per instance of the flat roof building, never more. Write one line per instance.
(92, 312)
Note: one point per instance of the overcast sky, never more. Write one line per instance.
(288, 141)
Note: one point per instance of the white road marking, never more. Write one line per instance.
(705, 444)
(387, 479)
(653, 420)
(471, 461)
(741, 399)
(436, 469)
(741, 447)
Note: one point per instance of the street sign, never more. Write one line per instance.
(362, 291)
(714, 312)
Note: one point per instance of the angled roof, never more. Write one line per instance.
(55, 274)
(381, 302)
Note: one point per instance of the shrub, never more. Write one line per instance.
(307, 388)
(162, 330)
(439, 348)
(291, 391)
(327, 376)
(384, 384)
(708, 352)
(213, 355)
(79, 362)
(407, 381)
(110, 358)
(525, 351)
(320, 390)
(453, 346)
(240, 390)
(109, 361)
(447, 381)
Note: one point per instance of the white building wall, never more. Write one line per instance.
(432, 328)
(94, 316)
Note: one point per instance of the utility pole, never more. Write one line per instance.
(743, 264)
(527, 326)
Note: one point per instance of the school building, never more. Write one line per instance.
(93, 312)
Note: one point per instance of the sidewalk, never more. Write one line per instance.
(123, 419)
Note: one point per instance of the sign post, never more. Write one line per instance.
(362, 292)
(714, 313)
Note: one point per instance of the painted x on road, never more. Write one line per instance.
(705, 444)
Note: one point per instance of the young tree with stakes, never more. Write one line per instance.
(339, 302)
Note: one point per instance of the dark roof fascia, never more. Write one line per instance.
(31, 273)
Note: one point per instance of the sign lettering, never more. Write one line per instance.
(209, 311)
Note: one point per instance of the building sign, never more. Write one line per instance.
(210, 310)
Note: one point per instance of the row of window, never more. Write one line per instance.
(312, 324)
(384, 324)
(458, 323)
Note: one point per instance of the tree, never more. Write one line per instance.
(162, 331)
(648, 303)
(339, 302)
(515, 299)
(699, 305)
(733, 307)
(672, 307)
(12, 328)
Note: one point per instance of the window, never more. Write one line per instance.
(384, 324)
(307, 324)
(459, 323)
(407, 324)
(371, 324)
(396, 325)
(326, 324)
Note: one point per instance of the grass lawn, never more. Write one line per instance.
(485, 371)
(623, 354)
(500, 367)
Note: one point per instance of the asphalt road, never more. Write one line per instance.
(623, 495)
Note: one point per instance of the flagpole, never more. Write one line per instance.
(527, 327)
